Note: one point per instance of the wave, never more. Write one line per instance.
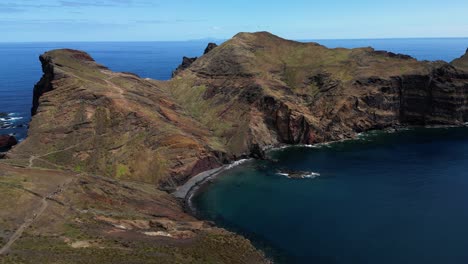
(236, 163)
(7, 119)
(308, 175)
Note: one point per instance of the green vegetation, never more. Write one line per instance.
(122, 171)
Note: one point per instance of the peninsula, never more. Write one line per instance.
(106, 150)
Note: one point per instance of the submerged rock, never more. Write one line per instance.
(7, 141)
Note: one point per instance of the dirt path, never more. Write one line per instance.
(34, 216)
(32, 158)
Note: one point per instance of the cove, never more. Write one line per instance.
(383, 198)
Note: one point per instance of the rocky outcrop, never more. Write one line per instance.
(462, 62)
(210, 47)
(186, 61)
(7, 141)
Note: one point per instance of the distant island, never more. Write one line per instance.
(107, 151)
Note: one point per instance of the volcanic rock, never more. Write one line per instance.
(210, 47)
(7, 141)
(186, 61)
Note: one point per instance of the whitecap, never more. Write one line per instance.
(283, 174)
(311, 175)
(236, 163)
(3, 119)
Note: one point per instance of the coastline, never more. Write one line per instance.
(188, 190)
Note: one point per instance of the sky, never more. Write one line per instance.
(174, 20)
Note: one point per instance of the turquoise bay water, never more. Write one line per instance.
(386, 198)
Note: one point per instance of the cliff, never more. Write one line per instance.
(270, 91)
(104, 148)
(89, 119)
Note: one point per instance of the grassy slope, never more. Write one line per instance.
(97, 220)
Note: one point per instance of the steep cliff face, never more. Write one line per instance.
(270, 91)
(87, 118)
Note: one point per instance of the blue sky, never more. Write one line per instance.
(157, 20)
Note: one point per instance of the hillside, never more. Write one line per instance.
(261, 89)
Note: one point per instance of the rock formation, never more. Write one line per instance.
(210, 47)
(7, 141)
(186, 61)
(462, 62)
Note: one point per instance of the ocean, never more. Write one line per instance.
(384, 198)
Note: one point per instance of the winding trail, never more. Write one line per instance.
(32, 158)
(34, 216)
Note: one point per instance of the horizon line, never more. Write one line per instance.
(221, 39)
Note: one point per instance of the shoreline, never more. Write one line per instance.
(188, 190)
